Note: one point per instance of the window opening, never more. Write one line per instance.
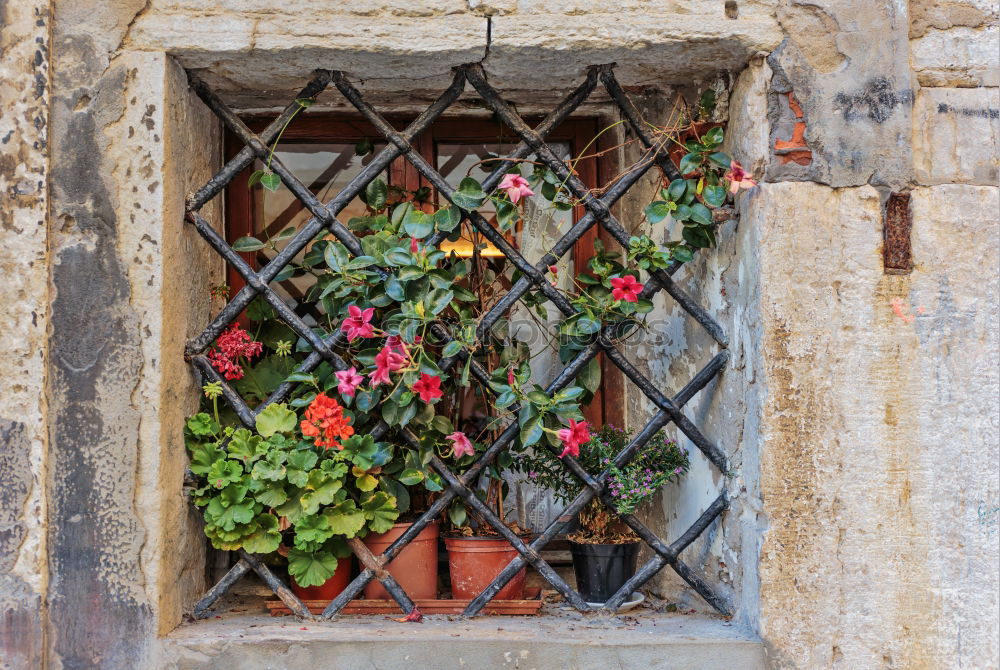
(258, 276)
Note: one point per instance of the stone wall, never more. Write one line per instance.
(859, 408)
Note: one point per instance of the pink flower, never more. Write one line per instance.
(516, 187)
(349, 380)
(738, 178)
(413, 245)
(386, 361)
(460, 444)
(395, 344)
(573, 437)
(358, 323)
(626, 288)
(428, 387)
(510, 377)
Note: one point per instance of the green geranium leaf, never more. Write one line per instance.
(246, 447)
(202, 424)
(312, 528)
(271, 494)
(311, 568)
(266, 538)
(380, 511)
(345, 518)
(366, 483)
(276, 418)
(203, 457)
(226, 518)
(271, 468)
(321, 488)
(223, 473)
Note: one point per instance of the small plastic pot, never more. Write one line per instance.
(415, 567)
(474, 562)
(329, 589)
(602, 569)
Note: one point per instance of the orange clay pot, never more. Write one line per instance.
(476, 561)
(415, 567)
(329, 589)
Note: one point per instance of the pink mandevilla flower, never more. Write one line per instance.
(461, 444)
(516, 187)
(358, 324)
(386, 361)
(573, 437)
(738, 178)
(348, 380)
(626, 288)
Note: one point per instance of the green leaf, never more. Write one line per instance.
(224, 472)
(447, 219)
(698, 236)
(336, 256)
(345, 518)
(311, 568)
(657, 211)
(380, 511)
(203, 457)
(202, 424)
(366, 483)
(457, 514)
(361, 450)
(376, 194)
(714, 195)
(270, 181)
(531, 432)
(451, 349)
(469, 194)
(307, 377)
(690, 163)
(304, 102)
(721, 159)
(701, 214)
(245, 446)
(271, 494)
(321, 489)
(590, 376)
(438, 300)
(266, 538)
(713, 137)
(275, 418)
(411, 476)
(418, 224)
(398, 257)
(442, 425)
(304, 459)
(585, 326)
(271, 468)
(676, 189)
(362, 262)
(313, 528)
(683, 254)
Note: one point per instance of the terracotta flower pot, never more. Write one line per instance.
(415, 568)
(476, 561)
(329, 589)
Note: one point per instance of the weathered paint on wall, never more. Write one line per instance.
(24, 166)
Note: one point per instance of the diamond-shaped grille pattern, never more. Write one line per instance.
(324, 347)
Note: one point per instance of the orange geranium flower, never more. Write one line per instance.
(326, 423)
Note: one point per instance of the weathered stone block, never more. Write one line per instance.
(956, 135)
(957, 57)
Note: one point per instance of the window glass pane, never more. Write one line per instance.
(325, 168)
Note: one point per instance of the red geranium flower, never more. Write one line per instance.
(429, 387)
(325, 421)
(233, 343)
(626, 288)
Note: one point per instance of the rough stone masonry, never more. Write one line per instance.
(859, 409)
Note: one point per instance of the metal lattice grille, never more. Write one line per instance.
(325, 347)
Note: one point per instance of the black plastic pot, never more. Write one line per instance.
(602, 569)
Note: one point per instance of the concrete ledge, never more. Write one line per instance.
(562, 642)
